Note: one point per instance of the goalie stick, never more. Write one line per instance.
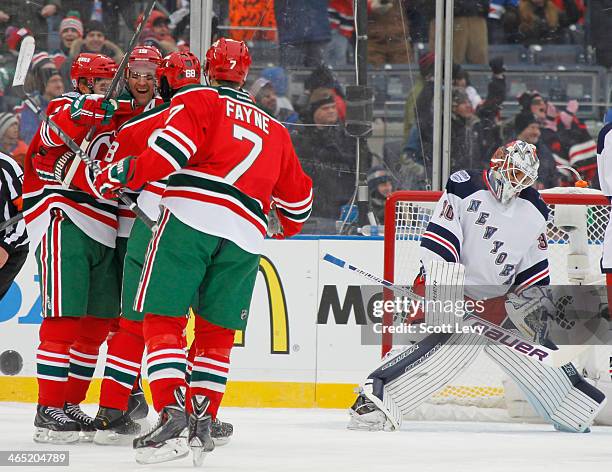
(23, 63)
(547, 355)
(111, 88)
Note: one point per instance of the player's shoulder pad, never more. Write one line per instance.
(464, 183)
(533, 196)
(601, 137)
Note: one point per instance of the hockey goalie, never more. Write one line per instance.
(486, 242)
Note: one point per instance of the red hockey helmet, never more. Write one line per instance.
(148, 55)
(228, 59)
(92, 66)
(179, 68)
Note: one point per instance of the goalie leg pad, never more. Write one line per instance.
(559, 395)
(407, 379)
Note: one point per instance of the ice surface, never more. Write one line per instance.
(316, 440)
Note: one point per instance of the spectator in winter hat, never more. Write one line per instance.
(322, 107)
(9, 137)
(534, 102)
(527, 129)
(279, 80)
(380, 185)
(95, 41)
(71, 29)
(157, 33)
(45, 83)
(327, 155)
(265, 96)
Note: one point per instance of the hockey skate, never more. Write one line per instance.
(165, 442)
(138, 409)
(367, 416)
(115, 427)
(200, 440)
(51, 425)
(221, 432)
(74, 412)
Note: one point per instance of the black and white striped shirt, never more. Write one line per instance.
(15, 237)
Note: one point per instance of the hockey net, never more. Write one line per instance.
(581, 213)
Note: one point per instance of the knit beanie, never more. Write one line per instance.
(6, 121)
(95, 25)
(319, 97)
(72, 20)
(523, 120)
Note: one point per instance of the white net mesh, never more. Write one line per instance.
(584, 213)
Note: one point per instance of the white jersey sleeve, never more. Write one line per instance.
(533, 267)
(443, 236)
(604, 159)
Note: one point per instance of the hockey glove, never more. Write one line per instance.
(532, 312)
(92, 110)
(50, 167)
(115, 176)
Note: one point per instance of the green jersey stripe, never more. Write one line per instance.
(184, 180)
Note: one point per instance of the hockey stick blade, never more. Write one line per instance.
(26, 52)
(487, 329)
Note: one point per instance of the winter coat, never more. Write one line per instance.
(301, 22)
(29, 121)
(461, 8)
(328, 157)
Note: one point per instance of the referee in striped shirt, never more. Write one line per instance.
(14, 239)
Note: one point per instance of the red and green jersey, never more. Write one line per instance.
(97, 217)
(132, 139)
(228, 160)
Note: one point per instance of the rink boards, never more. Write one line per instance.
(302, 347)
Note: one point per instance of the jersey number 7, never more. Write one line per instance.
(241, 133)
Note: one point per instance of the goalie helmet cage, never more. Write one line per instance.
(575, 233)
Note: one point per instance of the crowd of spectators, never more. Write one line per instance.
(319, 36)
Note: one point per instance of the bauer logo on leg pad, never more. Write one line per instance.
(513, 342)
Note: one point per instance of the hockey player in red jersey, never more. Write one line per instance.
(228, 161)
(115, 425)
(74, 234)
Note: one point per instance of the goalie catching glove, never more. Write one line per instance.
(531, 312)
(92, 110)
(115, 176)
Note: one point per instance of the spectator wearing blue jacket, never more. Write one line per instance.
(303, 30)
(47, 84)
(502, 22)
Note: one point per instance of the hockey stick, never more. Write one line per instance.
(23, 63)
(111, 88)
(11, 221)
(546, 355)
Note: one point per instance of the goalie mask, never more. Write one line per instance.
(514, 167)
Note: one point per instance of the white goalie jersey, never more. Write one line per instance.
(502, 247)
(604, 171)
